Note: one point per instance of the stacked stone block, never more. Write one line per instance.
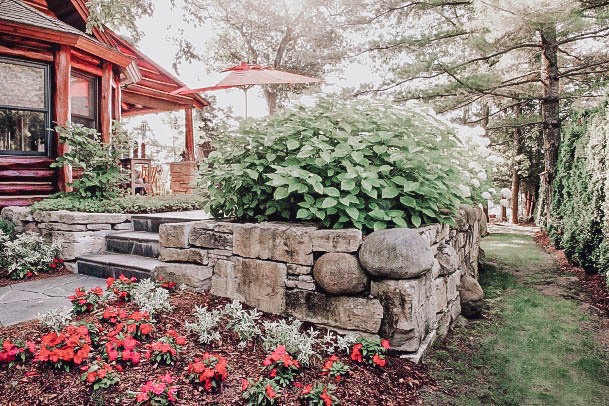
(402, 284)
(183, 177)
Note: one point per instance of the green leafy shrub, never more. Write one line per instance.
(7, 227)
(125, 204)
(362, 164)
(580, 202)
(101, 173)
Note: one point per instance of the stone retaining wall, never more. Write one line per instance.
(79, 233)
(402, 284)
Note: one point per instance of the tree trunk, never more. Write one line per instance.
(551, 120)
(485, 120)
(515, 174)
(271, 100)
(503, 216)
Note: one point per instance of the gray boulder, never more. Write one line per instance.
(399, 253)
(472, 297)
(340, 273)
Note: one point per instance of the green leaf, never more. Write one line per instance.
(292, 144)
(329, 202)
(303, 214)
(331, 191)
(281, 193)
(390, 192)
(416, 220)
(347, 185)
(352, 212)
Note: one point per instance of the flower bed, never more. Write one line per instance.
(222, 372)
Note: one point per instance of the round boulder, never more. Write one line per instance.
(472, 297)
(339, 273)
(399, 253)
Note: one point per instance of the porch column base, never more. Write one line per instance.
(183, 177)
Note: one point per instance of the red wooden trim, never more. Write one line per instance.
(25, 188)
(15, 174)
(74, 40)
(139, 112)
(13, 162)
(151, 102)
(183, 100)
(189, 142)
(38, 55)
(116, 100)
(85, 67)
(61, 104)
(106, 102)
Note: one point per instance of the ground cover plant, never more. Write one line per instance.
(367, 165)
(118, 354)
(26, 255)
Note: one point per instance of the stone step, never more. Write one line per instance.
(139, 243)
(112, 264)
(151, 222)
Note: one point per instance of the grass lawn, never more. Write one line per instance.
(533, 347)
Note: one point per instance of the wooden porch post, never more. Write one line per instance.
(106, 102)
(62, 109)
(190, 138)
(116, 100)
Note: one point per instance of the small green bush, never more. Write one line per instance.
(361, 164)
(7, 227)
(127, 204)
(27, 255)
(102, 174)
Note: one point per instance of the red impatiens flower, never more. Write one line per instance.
(307, 389)
(356, 353)
(378, 360)
(385, 344)
(210, 371)
(244, 384)
(270, 393)
(326, 398)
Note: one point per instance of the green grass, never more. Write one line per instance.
(535, 349)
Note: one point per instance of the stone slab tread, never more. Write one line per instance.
(122, 261)
(139, 236)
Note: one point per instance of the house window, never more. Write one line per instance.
(24, 107)
(83, 93)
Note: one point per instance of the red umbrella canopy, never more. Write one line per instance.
(250, 74)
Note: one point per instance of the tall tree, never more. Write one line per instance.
(117, 14)
(304, 37)
(461, 53)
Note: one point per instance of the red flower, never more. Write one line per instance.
(307, 389)
(110, 281)
(385, 344)
(356, 353)
(244, 384)
(270, 393)
(326, 398)
(378, 360)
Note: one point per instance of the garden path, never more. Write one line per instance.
(540, 341)
(24, 301)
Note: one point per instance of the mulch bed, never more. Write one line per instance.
(5, 280)
(396, 384)
(595, 285)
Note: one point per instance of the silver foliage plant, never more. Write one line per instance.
(205, 325)
(150, 298)
(287, 333)
(56, 319)
(242, 322)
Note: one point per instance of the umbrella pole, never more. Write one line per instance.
(245, 93)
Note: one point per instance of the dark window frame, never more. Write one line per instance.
(47, 103)
(95, 95)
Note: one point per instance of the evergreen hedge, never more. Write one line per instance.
(580, 203)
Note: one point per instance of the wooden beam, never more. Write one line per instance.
(85, 67)
(38, 55)
(141, 111)
(116, 100)
(61, 104)
(147, 101)
(106, 102)
(15, 162)
(189, 142)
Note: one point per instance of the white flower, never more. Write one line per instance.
(504, 203)
(475, 182)
(465, 191)
(492, 191)
(505, 192)
(482, 175)
(486, 195)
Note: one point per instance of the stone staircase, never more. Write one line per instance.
(133, 252)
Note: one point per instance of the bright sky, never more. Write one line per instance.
(157, 44)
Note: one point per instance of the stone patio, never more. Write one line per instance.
(24, 301)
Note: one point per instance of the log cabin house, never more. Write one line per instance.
(52, 72)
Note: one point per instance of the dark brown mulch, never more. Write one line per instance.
(595, 285)
(5, 280)
(396, 384)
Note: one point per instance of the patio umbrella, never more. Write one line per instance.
(246, 75)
